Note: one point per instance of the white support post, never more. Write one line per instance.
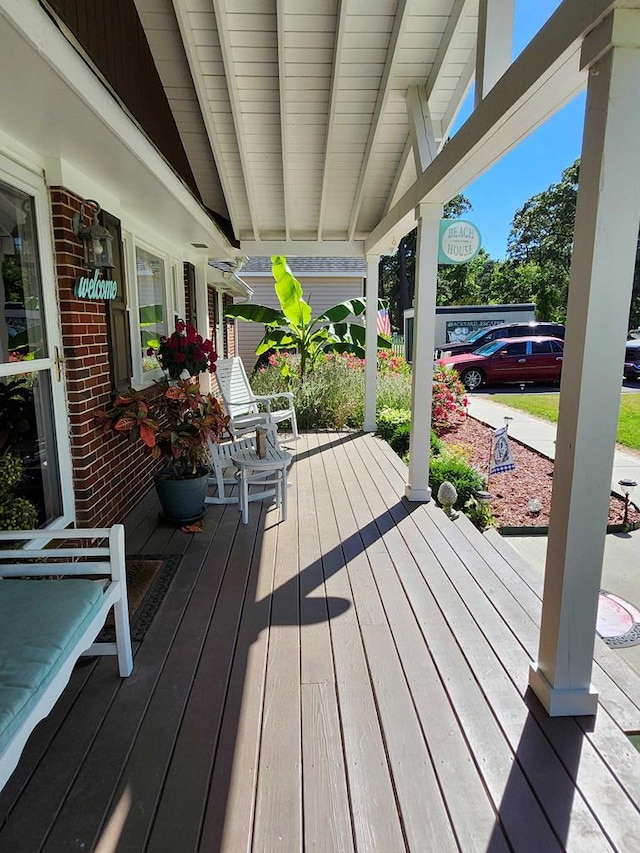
(219, 341)
(604, 249)
(495, 44)
(202, 314)
(424, 329)
(371, 343)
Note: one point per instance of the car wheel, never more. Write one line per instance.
(472, 378)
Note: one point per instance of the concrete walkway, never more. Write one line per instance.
(621, 565)
(541, 436)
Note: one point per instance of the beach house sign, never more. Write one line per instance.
(459, 242)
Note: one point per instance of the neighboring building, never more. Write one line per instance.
(325, 282)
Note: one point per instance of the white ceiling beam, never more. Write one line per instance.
(282, 87)
(220, 9)
(399, 25)
(542, 79)
(186, 34)
(407, 156)
(458, 12)
(303, 248)
(457, 100)
(494, 44)
(423, 141)
(331, 119)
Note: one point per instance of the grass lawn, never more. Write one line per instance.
(546, 406)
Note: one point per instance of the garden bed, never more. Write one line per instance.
(512, 490)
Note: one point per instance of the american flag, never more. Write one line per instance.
(384, 323)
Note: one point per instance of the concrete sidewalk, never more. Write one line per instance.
(541, 435)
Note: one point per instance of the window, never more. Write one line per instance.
(22, 329)
(152, 305)
(556, 346)
(118, 334)
(520, 348)
(540, 347)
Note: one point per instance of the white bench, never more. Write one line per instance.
(49, 616)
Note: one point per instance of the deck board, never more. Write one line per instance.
(570, 816)
(352, 679)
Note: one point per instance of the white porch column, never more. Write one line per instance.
(424, 329)
(495, 44)
(371, 343)
(605, 239)
(219, 341)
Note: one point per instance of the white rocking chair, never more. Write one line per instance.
(243, 406)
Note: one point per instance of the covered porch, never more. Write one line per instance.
(352, 678)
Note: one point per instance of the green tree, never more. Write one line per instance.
(542, 229)
(466, 284)
(293, 326)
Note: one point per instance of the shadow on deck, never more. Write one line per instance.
(351, 679)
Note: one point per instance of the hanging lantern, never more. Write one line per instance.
(97, 241)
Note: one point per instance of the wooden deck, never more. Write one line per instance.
(351, 679)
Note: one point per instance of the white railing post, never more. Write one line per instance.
(371, 344)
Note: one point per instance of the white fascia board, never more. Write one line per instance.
(542, 79)
(105, 117)
(303, 248)
(64, 174)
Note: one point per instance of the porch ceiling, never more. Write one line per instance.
(302, 102)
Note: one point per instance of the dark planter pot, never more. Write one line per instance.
(182, 500)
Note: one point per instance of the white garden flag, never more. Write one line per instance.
(501, 458)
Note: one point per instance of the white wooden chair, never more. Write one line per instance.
(225, 472)
(243, 406)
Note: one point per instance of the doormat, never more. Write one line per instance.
(618, 621)
(148, 579)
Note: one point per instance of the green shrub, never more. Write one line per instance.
(436, 444)
(388, 420)
(399, 440)
(331, 397)
(16, 513)
(466, 479)
(393, 391)
(479, 513)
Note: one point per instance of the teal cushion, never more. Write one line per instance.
(40, 620)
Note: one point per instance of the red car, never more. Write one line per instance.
(532, 359)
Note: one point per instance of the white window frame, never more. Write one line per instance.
(23, 179)
(132, 242)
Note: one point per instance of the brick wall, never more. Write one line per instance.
(109, 474)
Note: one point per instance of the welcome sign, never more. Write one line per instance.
(96, 288)
(459, 242)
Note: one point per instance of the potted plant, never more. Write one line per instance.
(175, 425)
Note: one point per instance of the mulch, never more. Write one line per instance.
(512, 490)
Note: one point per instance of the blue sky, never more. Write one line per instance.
(537, 162)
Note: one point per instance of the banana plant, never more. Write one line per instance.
(294, 327)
